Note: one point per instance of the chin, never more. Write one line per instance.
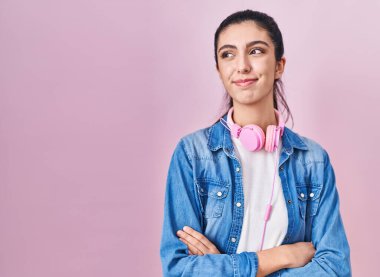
(249, 99)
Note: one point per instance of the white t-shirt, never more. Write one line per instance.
(258, 169)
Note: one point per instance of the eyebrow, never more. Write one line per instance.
(254, 42)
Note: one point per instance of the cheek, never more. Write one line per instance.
(263, 66)
(259, 66)
(226, 74)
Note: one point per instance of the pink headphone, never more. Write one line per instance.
(253, 137)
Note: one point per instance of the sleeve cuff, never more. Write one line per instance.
(245, 264)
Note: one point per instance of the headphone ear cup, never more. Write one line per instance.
(252, 137)
(272, 137)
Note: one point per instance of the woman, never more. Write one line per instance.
(247, 196)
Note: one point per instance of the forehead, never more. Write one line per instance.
(242, 33)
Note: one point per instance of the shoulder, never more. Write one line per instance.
(315, 151)
(199, 136)
(195, 144)
(312, 162)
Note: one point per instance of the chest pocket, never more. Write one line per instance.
(308, 198)
(212, 194)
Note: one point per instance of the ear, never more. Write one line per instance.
(280, 67)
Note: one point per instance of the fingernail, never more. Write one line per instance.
(185, 228)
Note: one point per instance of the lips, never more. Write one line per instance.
(245, 82)
(242, 81)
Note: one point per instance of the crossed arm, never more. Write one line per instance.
(270, 260)
(331, 257)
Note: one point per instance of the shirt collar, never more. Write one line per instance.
(220, 137)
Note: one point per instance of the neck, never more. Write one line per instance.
(260, 115)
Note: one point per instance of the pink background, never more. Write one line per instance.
(94, 95)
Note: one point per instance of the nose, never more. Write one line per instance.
(243, 65)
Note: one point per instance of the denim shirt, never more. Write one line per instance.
(204, 183)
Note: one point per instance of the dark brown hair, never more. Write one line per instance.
(266, 22)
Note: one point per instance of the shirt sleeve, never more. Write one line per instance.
(332, 256)
(182, 208)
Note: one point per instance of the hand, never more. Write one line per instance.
(299, 254)
(196, 242)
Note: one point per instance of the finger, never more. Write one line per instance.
(203, 239)
(192, 249)
(198, 245)
(193, 241)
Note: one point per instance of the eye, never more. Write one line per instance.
(260, 49)
(225, 54)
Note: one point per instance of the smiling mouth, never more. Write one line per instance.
(246, 83)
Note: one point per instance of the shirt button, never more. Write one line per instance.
(238, 204)
(219, 193)
(237, 169)
(233, 239)
(311, 194)
(281, 168)
(302, 195)
(289, 201)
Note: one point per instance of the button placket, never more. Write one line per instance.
(238, 203)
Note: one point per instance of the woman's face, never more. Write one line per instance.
(245, 51)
